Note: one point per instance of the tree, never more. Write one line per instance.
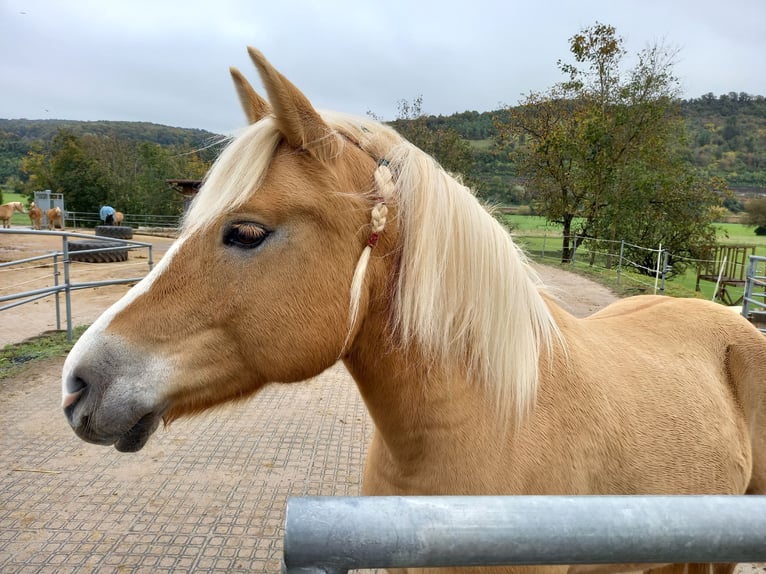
(755, 214)
(443, 143)
(93, 170)
(77, 175)
(604, 143)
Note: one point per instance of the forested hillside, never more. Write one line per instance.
(19, 137)
(726, 138)
(125, 164)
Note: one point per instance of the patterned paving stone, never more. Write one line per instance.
(206, 495)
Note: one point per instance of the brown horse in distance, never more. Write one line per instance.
(55, 218)
(7, 210)
(35, 216)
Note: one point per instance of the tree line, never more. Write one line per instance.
(97, 163)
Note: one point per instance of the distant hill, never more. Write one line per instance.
(727, 138)
(726, 133)
(18, 137)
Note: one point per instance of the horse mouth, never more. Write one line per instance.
(135, 439)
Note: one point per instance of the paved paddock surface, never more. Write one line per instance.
(206, 495)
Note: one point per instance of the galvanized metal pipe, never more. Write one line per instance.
(337, 534)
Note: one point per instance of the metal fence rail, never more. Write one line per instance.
(67, 286)
(89, 219)
(338, 534)
(754, 300)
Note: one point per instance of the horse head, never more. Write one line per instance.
(260, 286)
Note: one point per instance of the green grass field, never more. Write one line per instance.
(543, 242)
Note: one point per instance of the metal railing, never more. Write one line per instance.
(61, 259)
(754, 299)
(89, 219)
(338, 534)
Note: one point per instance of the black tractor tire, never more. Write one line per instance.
(115, 231)
(98, 256)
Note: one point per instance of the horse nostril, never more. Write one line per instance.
(75, 384)
(74, 389)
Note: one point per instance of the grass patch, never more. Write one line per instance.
(542, 241)
(15, 357)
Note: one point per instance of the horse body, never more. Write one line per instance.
(35, 216)
(118, 217)
(6, 212)
(650, 430)
(55, 218)
(329, 237)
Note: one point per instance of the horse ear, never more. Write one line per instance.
(299, 122)
(254, 105)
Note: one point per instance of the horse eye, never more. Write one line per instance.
(244, 235)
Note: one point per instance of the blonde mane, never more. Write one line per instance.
(466, 293)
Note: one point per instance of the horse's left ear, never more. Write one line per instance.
(298, 121)
(254, 105)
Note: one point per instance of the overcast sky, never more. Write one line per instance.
(166, 61)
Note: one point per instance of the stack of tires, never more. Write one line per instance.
(113, 256)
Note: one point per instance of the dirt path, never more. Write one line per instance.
(36, 317)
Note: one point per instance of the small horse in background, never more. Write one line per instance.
(35, 216)
(118, 217)
(7, 210)
(55, 218)
(324, 236)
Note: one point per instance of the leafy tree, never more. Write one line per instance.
(604, 144)
(755, 214)
(93, 170)
(77, 175)
(443, 143)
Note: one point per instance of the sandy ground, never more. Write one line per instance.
(30, 319)
(581, 296)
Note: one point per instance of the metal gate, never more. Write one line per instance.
(46, 200)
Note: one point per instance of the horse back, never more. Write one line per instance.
(657, 395)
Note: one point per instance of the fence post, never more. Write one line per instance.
(56, 284)
(752, 271)
(657, 269)
(67, 288)
(574, 250)
(664, 270)
(619, 262)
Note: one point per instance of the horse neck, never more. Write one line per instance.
(420, 411)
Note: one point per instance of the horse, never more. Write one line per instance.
(7, 210)
(118, 217)
(55, 218)
(35, 216)
(320, 237)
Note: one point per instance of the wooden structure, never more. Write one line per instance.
(188, 188)
(729, 263)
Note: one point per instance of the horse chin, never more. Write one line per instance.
(135, 439)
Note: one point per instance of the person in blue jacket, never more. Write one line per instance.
(107, 214)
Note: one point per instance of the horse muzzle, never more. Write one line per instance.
(109, 395)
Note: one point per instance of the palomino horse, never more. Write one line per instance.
(319, 237)
(35, 216)
(118, 217)
(54, 218)
(6, 212)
